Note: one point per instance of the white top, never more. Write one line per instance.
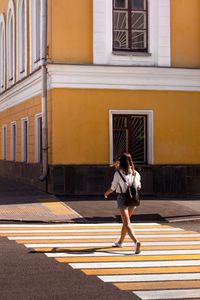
(118, 181)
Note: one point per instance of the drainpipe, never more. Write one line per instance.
(43, 176)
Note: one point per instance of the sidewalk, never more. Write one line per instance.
(23, 203)
(19, 202)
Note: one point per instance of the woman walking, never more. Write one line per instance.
(127, 171)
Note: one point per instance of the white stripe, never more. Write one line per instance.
(90, 237)
(151, 277)
(76, 225)
(89, 230)
(135, 264)
(169, 294)
(72, 245)
(120, 253)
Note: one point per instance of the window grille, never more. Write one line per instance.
(130, 136)
(130, 25)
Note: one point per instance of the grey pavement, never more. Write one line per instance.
(20, 202)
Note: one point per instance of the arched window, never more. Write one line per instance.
(10, 44)
(35, 33)
(2, 53)
(21, 38)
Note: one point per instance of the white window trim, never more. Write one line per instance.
(3, 62)
(32, 29)
(150, 143)
(23, 158)
(10, 14)
(159, 36)
(13, 155)
(4, 143)
(37, 140)
(21, 73)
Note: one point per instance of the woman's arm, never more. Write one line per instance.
(108, 192)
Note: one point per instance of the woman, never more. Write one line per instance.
(127, 170)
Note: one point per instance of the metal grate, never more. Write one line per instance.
(129, 135)
(130, 25)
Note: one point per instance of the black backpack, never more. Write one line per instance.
(131, 197)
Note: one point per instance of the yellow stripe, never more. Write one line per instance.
(82, 227)
(158, 285)
(129, 258)
(158, 270)
(171, 247)
(94, 233)
(103, 240)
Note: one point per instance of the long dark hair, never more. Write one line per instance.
(126, 163)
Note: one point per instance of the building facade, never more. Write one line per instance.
(102, 78)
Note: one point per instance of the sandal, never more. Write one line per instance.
(137, 248)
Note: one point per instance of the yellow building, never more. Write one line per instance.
(99, 78)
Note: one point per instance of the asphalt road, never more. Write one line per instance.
(26, 275)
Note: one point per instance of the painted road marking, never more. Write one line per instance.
(111, 253)
(90, 231)
(148, 270)
(60, 237)
(86, 249)
(151, 277)
(135, 264)
(157, 285)
(111, 225)
(70, 245)
(170, 258)
(169, 294)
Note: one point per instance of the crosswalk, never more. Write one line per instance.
(167, 268)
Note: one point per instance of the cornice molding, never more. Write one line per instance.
(21, 91)
(102, 77)
(125, 78)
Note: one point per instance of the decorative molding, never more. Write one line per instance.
(102, 77)
(159, 36)
(21, 91)
(150, 130)
(125, 78)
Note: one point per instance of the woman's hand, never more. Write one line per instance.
(107, 193)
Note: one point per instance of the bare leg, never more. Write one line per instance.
(123, 230)
(127, 226)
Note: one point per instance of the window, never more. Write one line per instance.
(130, 25)
(13, 141)
(21, 39)
(4, 142)
(129, 135)
(38, 138)
(2, 52)
(132, 132)
(35, 33)
(24, 130)
(10, 44)
(131, 32)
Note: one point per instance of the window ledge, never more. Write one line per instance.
(123, 53)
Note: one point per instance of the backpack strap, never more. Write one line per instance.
(122, 176)
(125, 179)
